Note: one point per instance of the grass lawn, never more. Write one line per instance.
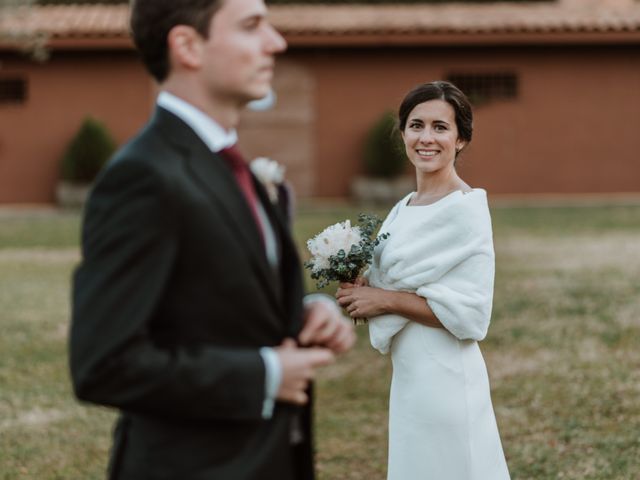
(563, 353)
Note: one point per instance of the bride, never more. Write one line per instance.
(428, 297)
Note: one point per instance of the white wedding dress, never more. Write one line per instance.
(441, 420)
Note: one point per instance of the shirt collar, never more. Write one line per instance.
(210, 131)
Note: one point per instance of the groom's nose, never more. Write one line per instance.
(275, 42)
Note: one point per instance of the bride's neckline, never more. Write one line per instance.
(407, 203)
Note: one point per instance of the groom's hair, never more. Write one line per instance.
(152, 20)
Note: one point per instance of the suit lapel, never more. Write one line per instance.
(218, 182)
(290, 278)
(272, 213)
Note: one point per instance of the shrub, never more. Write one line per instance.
(384, 150)
(309, 2)
(87, 153)
(374, 2)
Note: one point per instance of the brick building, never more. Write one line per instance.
(557, 88)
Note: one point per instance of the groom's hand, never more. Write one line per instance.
(298, 369)
(325, 326)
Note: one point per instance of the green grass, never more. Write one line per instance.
(563, 352)
(553, 221)
(28, 229)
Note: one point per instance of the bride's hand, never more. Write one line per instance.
(359, 282)
(362, 302)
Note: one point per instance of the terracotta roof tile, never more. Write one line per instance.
(564, 16)
(456, 18)
(70, 20)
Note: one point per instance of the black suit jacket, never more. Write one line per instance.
(171, 303)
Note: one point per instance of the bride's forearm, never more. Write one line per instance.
(411, 306)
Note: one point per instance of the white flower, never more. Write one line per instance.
(330, 241)
(270, 173)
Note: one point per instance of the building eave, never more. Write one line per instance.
(456, 39)
(91, 43)
(566, 22)
(369, 40)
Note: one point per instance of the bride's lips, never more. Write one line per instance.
(427, 153)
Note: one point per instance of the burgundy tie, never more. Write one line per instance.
(243, 176)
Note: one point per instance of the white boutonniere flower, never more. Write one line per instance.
(270, 173)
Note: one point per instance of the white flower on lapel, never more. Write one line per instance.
(270, 173)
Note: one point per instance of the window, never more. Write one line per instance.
(13, 91)
(486, 87)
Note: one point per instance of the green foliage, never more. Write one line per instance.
(374, 2)
(303, 2)
(88, 152)
(35, 229)
(384, 150)
(80, 2)
(345, 267)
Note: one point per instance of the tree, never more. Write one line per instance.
(79, 2)
(384, 155)
(16, 29)
(88, 152)
(311, 2)
(375, 2)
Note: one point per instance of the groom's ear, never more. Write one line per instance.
(185, 47)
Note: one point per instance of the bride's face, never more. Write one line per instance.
(431, 136)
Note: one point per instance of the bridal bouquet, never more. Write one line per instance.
(340, 252)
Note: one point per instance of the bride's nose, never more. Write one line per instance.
(426, 137)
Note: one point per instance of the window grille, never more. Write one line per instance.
(13, 90)
(486, 87)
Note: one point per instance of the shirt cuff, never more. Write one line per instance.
(324, 298)
(272, 379)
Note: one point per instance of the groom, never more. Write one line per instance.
(188, 312)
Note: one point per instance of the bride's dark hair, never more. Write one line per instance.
(440, 90)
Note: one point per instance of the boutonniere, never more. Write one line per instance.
(270, 173)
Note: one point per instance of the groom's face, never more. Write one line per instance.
(238, 57)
